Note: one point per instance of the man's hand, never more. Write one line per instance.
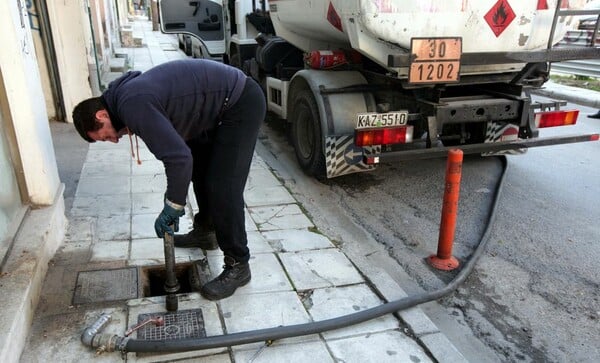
(169, 216)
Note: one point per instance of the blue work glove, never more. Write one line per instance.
(169, 216)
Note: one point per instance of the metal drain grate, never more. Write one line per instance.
(181, 324)
(106, 285)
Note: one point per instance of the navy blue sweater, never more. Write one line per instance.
(170, 104)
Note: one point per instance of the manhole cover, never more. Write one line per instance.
(181, 324)
(106, 285)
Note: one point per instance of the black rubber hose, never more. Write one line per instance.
(183, 345)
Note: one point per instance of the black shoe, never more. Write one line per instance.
(596, 115)
(197, 237)
(234, 275)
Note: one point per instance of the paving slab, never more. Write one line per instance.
(101, 206)
(391, 346)
(316, 351)
(261, 176)
(148, 183)
(66, 252)
(110, 251)
(102, 168)
(64, 331)
(271, 218)
(291, 240)
(267, 195)
(247, 312)
(104, 185)
(150, 251)
(80, 229)
(148, 167)
(320, 268)
(257, 243)
(334, 302)
(142, 203)
(112, 228)
(249, 222)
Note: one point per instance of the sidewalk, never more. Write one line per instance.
(110, 263)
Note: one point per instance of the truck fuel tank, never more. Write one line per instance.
(484, 25)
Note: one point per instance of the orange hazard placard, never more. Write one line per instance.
(435, 60)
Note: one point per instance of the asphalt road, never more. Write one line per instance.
(534, 295)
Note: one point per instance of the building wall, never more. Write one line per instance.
(26, 86)
(73, 43)
(102, 51)
(34, 24)
(26, 106)
(10, 195)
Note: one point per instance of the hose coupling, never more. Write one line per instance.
(88, 334)
(104, 343)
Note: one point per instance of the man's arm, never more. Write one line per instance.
(148, 122)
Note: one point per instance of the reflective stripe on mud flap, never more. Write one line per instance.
(502, 131)
(343, 157)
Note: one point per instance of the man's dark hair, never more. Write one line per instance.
(84, 117)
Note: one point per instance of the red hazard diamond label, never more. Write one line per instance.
(500, 16)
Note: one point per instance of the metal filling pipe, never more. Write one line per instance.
(90, 332)
(171, 284)
(107, 342)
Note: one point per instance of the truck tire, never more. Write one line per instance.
(306, 134)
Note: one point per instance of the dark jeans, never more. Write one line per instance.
(221, 165)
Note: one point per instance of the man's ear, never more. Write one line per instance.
(102, 115)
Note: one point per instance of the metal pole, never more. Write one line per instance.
(171, 283)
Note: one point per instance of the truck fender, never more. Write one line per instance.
(337, 109)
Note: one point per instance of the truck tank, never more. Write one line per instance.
(379, 28)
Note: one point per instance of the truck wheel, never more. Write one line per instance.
(306, 134)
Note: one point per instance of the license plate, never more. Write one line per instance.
(434, 60)
(388, 119)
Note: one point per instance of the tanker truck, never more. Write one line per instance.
(363, 82)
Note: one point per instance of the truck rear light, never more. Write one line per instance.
(556, 118)
(383, 136)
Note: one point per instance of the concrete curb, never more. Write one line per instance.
(24, 272)
(572, 94)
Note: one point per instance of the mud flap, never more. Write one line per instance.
(343, 157)
(502, 131)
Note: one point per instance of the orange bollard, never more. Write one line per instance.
(444, 259)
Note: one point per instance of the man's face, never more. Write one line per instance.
(107, 132)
